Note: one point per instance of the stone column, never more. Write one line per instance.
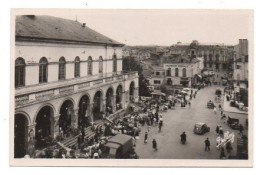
(30, 142)
(126, 96)
(90, 113)
(74, 118)
(136, 94)
(114, 103)
(104, 102)
(56, 125)
(123, 101)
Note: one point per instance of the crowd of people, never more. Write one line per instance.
(149, 116)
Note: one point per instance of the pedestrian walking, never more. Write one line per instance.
(190, 96)
(189, 104)
(160, 126)
(228, 147)
(221, 132)
(183, 138)
(222, 153)
(217, 129)
(207, 144)
(221, 112)
(145, 137)
(219, 107)
(161, 119)
(215, 110)
(154, 145)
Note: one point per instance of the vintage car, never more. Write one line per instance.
(200, 128)
(218, 92)
(118, 147)
(233, 123)
(210, 105)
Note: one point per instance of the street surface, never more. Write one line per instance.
(183, 119)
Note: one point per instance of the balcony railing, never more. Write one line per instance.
(47, 91)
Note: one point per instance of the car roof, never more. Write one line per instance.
(120, 139)
(112, 145)
(200, 123)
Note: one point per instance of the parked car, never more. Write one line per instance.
(201, 128)
(119, 146)
(233, 123)
(218, 92)
(210, 105)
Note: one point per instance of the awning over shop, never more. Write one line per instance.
(158, 93)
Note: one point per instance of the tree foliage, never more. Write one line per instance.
(165, 89)
(130, 64)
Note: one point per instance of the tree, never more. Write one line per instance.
(130, 64)
(165, 89)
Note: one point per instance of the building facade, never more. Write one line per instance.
(157, 77)
(240, 74)
(176, 71)
(216, 56)
(65, 74)
(182, 71)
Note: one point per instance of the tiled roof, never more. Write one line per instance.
(54, 28)
(179, 59)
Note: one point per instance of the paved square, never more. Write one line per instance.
(183, 119)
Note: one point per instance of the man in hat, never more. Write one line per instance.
(154, 145)
(145, 137)
(207, 144)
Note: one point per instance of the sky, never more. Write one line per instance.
(163, 27)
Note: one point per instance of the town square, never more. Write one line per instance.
(80, 94)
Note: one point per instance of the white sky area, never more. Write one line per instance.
(163, 27)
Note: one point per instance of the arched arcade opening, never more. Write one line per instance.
(119, 92)
(20, 135)
(131, 92)
(43, 128)
(97, 102)
(109, 101)
(65, 119)
(83, 112)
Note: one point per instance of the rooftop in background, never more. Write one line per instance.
(179, 59)
(53, 28)
(196, 43)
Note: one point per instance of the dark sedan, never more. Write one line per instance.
(201, 128)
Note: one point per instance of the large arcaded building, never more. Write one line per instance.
(65, 73)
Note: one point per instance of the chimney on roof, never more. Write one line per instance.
(84, 25)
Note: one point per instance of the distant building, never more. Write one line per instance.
(240, 74)
(180, 71)
(157, 77)
(216, 56)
